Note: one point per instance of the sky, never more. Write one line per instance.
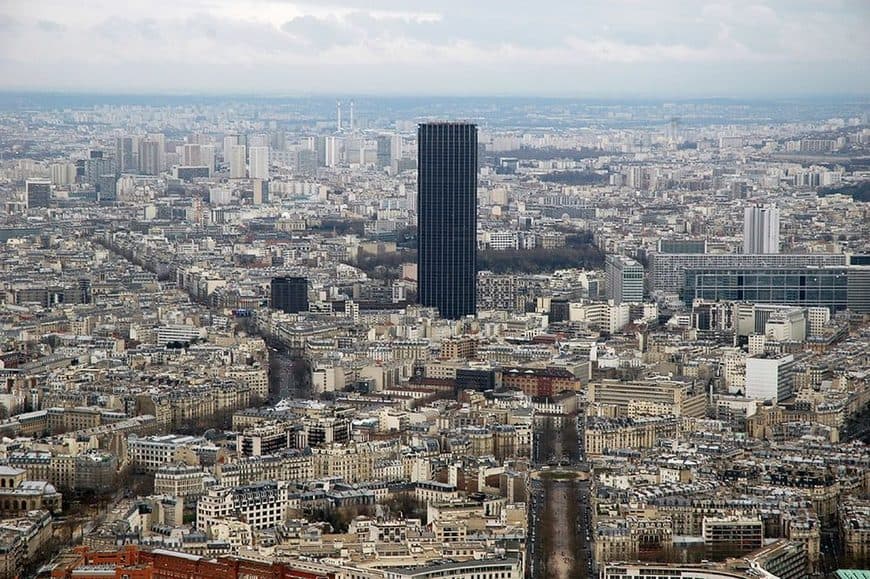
(571, 48)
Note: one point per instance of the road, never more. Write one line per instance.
(559, 500)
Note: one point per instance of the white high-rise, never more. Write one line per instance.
(259, 168)
(229, 141)
(207, 157)
(237, 162)
(761, 229)
(191, 155)
(331, 153)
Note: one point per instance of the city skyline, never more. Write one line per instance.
(407, 290)
(675, 48)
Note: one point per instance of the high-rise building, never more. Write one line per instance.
(383, 157)
(160, 139)
(62, 173)
(125, 161)
(447, 217)
(191, 155)
(229, 141)
(149, 157)
(395, 147)
(290, 294)
(261, 191)
(237, 162)
(106, 186)
(761, 229)
(37, 192)
(259, 168)
(206, 153)
(624, 279)
(327, 151)
(258, 140)
(389, 149)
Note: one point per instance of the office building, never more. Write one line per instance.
(237, 161)
(858, 289)
(389, 149)
(186, 173)
(754, 318)
(106, 186)
(37, 192)
(290, 294)
(383, 157)
(761, 229)
(667, 270)
(682, 246)
(733, 533)
(447, 220)
(769, 377)
(799, 286)
(624, 279)
(259, 166)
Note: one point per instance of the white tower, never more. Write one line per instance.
(351, 117)
(259, 163)
(237, 161)
(338, 116)
(761, 229)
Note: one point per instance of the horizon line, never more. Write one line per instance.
(606, 96)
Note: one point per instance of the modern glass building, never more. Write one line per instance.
(290, 294)
(667, 269)
(800, 286)
(624, 279)
(447, 217)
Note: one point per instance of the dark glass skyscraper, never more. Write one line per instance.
(290, 294)
(447, 217)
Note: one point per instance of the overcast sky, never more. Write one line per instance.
(439, 47)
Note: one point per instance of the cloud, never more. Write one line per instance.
(396, 46)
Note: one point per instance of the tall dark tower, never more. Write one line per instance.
(290, 294)
(447, 217)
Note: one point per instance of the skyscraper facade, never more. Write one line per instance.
(290, 294)
(447, 217)
(37, 192)
(237, 162)
(149, 157)
(259, 165)
(624, 279)
(125, 161)
(761, 229)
